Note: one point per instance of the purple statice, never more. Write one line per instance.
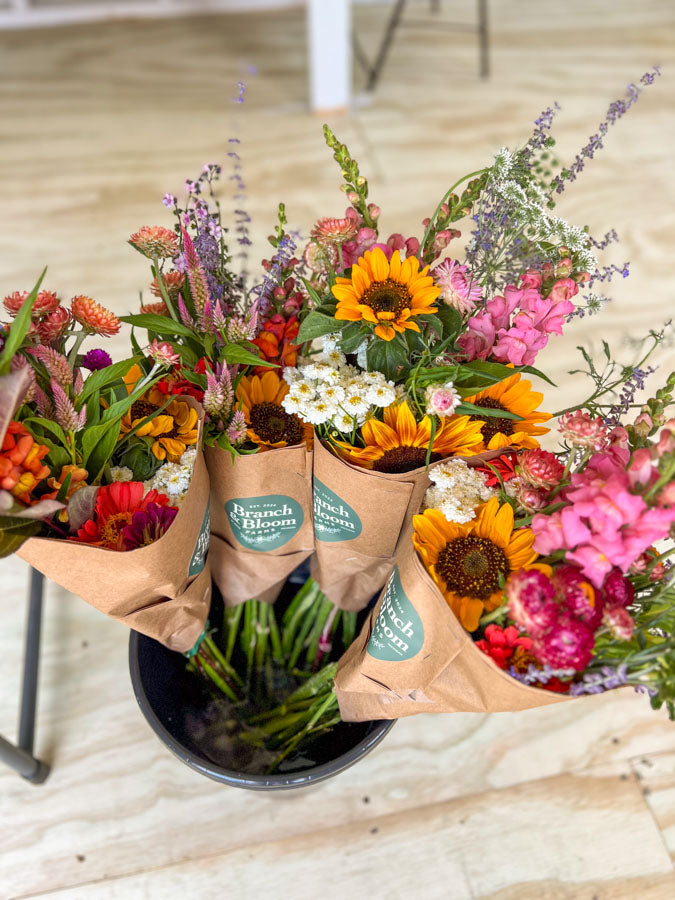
(595, 142)
(606, 679)
(96, 359)
(147, 526)
(635, 382)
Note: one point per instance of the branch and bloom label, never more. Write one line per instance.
(198, 560)
(398, 632)
(264, 523)
(334, 520)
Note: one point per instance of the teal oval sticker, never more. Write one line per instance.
(334, 520)
(398, 632)
(264, 523)
(198, 560)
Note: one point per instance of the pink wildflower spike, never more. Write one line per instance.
(214, 397)
(184, 314)
(55, 363)
(219, 319)
(79, 383)
(207, 324)
(195, 273)
(65, 413)
(43, 403)
(236, 431)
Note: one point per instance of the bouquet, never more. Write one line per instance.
(229, 342)
(539, 574)
(95, 468)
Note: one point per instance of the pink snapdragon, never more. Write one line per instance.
(521, 321)
(605, 525)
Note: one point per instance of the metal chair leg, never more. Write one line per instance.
(20, 757)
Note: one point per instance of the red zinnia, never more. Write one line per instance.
(115, 506)
(500, 643)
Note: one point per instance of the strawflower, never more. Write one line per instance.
(163, 354)
(94, 317)
(155, 242)
(441, 399)
(458, 289)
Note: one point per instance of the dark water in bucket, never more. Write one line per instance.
(201, 729)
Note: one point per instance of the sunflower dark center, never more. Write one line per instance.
(403, 459)
(471, 566)
(387, 297)
(272, 423)
(493, 424)
(141, 409)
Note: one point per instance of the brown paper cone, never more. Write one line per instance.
(162, 590)
(261, 520)
(358, 518)
(414, 656)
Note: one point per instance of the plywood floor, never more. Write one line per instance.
(96, 123)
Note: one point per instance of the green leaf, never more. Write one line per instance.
(58, 458)
(50, 426)
(94, 409)
(11, 540)
(103, 450)
(158, 324)
(530, 370)
(235, 354)
(63, 490)
(353, 335)
(388, 357)
(492, 372)
(316, 299)
(451, 321)
(315, 325)
(468, 409)
(19, 328)
(98, 380)
(92, 436)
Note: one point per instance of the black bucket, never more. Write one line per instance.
(171, 699)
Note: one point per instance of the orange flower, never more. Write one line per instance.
(45, 302)
(157, 309)
(115, 505)
(173, 282)
(269, 425)
(93, 316)
(386, 293)
(21, 467)
(155, 242)
(78, 479)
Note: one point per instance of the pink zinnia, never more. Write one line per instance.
(458, 289)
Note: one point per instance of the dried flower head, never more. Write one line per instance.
(334, 231)
(173, 282)
(155, 242)
(94, 317)
(156, 309)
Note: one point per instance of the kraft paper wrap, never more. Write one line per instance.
(413, 656)
(162, 590)
(359, 517)
(261, 520)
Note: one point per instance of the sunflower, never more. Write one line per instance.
(513, 395)
(468, 561)
(172, 431)
(386, 293)
(269, 425)
(400, 443)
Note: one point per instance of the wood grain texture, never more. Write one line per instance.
(97, 123)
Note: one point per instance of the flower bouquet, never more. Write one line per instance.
(229, 342)
(95, 468)
(537, 575)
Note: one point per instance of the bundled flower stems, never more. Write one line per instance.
(372, 405)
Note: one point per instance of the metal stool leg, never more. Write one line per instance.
(21, 757)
